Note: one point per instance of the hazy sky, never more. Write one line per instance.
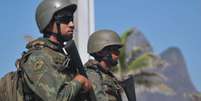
(165, 23)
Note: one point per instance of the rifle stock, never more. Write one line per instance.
(72, 51)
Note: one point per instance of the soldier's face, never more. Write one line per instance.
(111, 54)
(115, 55)
(65, 18)
(67, 29)
(114, 51)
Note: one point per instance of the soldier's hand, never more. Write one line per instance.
(86, 83)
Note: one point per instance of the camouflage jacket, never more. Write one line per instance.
(44, 75)
(105, 85)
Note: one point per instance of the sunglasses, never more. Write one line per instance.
(113, 49)
(63, 18)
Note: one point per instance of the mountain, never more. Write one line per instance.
(177, 78)
(158, 77)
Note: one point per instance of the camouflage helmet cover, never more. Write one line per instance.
(47, 8)
(101, 39)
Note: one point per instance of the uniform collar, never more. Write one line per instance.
(43, 42)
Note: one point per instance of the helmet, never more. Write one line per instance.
(101, 39)
(47, 8)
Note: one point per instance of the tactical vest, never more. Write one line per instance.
(108, 82)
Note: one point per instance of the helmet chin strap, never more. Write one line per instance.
(59, 36)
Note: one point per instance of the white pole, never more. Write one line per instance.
(85, 26)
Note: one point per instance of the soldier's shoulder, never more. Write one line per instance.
(39, 52)
(93, 74)
(91, 63)
(90, 66)
(42, 47)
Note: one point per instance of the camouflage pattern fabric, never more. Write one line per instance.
(9, 91)
(45, 75)
(106, 86)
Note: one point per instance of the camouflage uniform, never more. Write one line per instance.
(106, 86)
(44, 74)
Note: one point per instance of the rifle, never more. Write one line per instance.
(70, 50)
(129, 88)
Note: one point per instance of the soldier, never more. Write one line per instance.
(44, 71)
(104, 46)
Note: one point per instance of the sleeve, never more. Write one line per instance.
(97, 85)
(46, 82)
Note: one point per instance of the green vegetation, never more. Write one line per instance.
(138, 65)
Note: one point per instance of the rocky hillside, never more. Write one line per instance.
(159, 77)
